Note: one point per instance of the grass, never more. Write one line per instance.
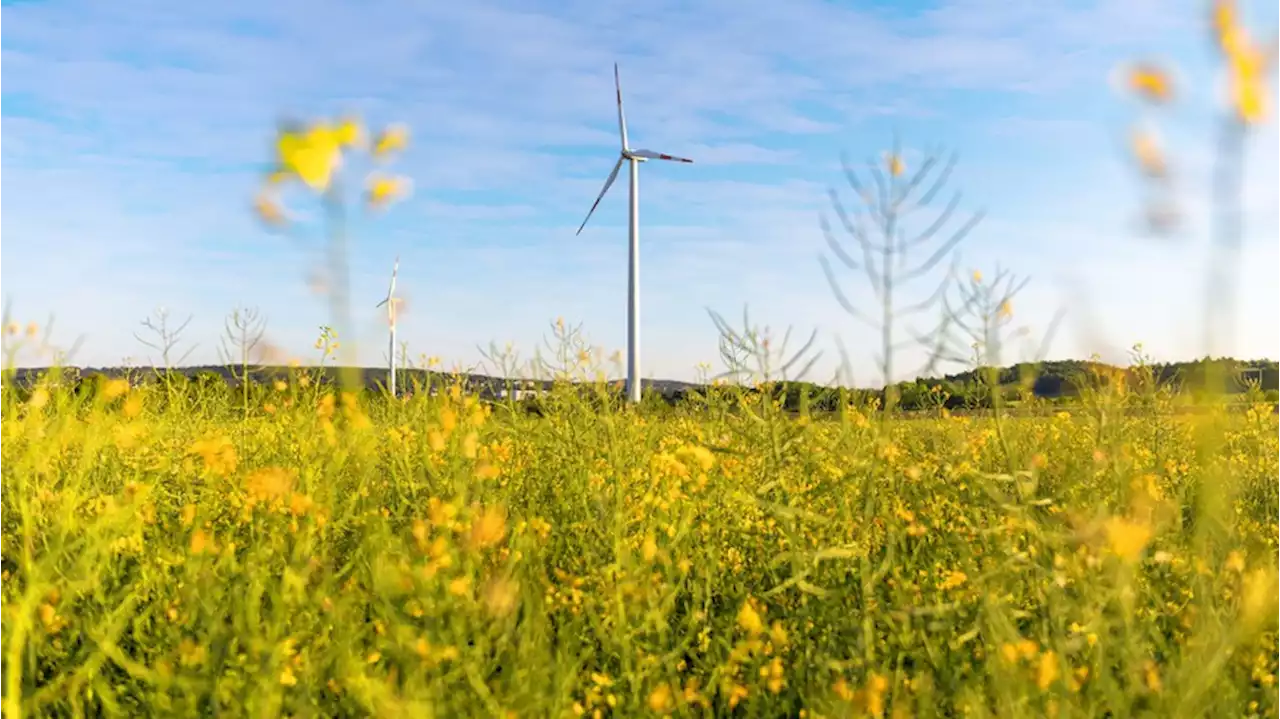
(172, 554)
(286, 549)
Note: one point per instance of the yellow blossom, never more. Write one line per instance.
(384, 189)
(1246, 67)
(1235, 561)
(1150, 82)
(1127, 538)
(268, 209)
(349, 133)
(953, 580)
(749, 619)
(312, 154)
(894, 164)
(1151, 676)
(1148, 154)
(114, 388)
(393, 139)
(1047, 671)
(488, 528)
(269, 483)
(649, 548)
(660, 699)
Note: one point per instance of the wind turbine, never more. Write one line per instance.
(635, 157)
(390, 301)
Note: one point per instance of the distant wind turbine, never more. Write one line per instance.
(391, 301)
(635, 157)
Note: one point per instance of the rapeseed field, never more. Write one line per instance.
(287, 548)
(316, 553)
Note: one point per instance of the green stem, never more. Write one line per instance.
(339, 301)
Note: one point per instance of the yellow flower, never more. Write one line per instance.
(953, 580)
(1150, 82)
(1246, 63)
(269, 484)
(749, 619)
(1009, 652)
(460, 587)
(976, 277)
(217, 453)
(1225, 25)
(660, 699)
(393, 139)
(1246, 66)
(287, 678)
(312, 155)
(649, 549)
(132, 406)
(1006, 309)
(201, 542)
(1235, 561)
(1047, 671)
(268, 209)
(894, 164)
(383, 189)
(488, 528)
(1148, 153)
(114, 388)
(500, 596)
(350, 133)
(1258, 596)
(39, 398)
(1126, 538)
(1151, 676)
(877, 685)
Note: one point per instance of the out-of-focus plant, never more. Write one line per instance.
(884, 245)
(314, 155)
(1247, 66)
(243, 333)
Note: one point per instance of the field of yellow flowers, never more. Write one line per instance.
(313, 554)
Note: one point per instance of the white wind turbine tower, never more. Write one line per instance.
(635, 157)
(390, 301)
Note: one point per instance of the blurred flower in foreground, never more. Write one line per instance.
(894, 163)
(385, 189)
(1247, 63)
(1147, 151)
(268, 209)
(1150, 82)
(391, 140)
(313, 153)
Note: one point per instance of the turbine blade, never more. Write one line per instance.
(381, 303)
(651, 155)
(607, 184)
(622, 118)
(395, 269)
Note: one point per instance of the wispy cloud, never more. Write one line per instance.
(135, 132)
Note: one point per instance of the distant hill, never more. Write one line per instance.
(371, 378)
(1050, 379)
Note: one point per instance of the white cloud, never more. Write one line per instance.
(134, 136)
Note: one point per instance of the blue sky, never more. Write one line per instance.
(134, 133)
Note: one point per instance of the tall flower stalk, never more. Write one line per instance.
(314, 155)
